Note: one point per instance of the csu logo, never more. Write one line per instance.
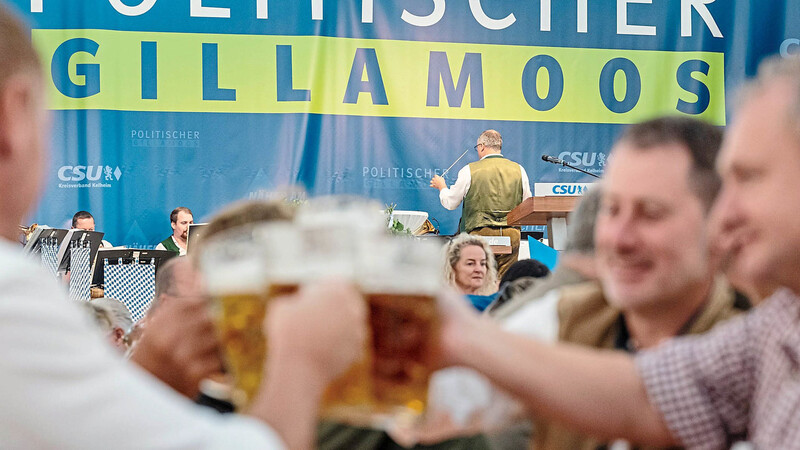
(90, 173)
(569, 189)
(583, 158)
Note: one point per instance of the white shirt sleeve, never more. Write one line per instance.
(451, 197)
(464, 395)
(538, 319)
(63, 387)
(526, 184)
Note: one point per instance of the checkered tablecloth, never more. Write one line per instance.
(49, 252)
(133, 284)
(80, 278)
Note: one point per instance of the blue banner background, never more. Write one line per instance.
(222, 157)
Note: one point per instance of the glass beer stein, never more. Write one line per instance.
(233, 266)
(399, 278)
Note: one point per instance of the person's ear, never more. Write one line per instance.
(119, 335)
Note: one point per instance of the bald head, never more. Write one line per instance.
(178, 278)
(491, 139)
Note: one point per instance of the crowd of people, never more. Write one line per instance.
(671, 319)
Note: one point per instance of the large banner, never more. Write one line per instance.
(198, 103)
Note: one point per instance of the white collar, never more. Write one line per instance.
(491, 154)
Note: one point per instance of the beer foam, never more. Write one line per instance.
(238, 276)
(350, 214)
(401, 285)
(402, 265)
(288, 273)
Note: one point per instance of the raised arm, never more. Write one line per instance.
(313, 337)
(451, 197)
(597, 392)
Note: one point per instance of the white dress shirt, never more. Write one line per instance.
(451, 197)
(63, 387)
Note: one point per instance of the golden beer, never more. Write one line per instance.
(244, 345)
(240, 331)
(245, 269)
(346, 238)
(393, 375)
(404, 328)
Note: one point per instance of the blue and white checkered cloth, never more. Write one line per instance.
(133, 284)
(80, 278)
(49, 252)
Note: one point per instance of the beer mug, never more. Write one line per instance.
(233, 266)
(285, 263)
(340, 227)
(399, 278)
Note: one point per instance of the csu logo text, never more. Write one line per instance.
(583, 158)
(90, 173)
(569, 189)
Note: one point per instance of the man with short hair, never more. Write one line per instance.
(736, 382)
(62, 387)
(120, 320)
(83, 220)
(177, 279)
(489, 189)
(179, 219)
(654, 286)
(650, 286)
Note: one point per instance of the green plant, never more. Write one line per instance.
(394, 227)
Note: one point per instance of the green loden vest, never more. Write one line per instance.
(170, 245)
(495, 189)
(585, 318)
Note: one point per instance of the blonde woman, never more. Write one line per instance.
(470, 267)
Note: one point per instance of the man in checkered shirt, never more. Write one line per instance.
(739, 382)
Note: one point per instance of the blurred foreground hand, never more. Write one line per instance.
(322, 327)
(179, 345)
(312, 337)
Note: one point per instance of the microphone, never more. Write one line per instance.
(552, 159)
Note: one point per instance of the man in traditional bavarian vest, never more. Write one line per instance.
(180, 218)
(651, 285)
(489, 188)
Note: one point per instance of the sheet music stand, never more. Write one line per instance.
(128, 255)
(95, 238)
(34, 243)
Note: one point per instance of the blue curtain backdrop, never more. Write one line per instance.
(129, 154)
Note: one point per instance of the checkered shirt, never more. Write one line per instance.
(742, 380)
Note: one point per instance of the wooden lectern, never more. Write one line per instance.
(549, 210)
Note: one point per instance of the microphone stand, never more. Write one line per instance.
(566, 164)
